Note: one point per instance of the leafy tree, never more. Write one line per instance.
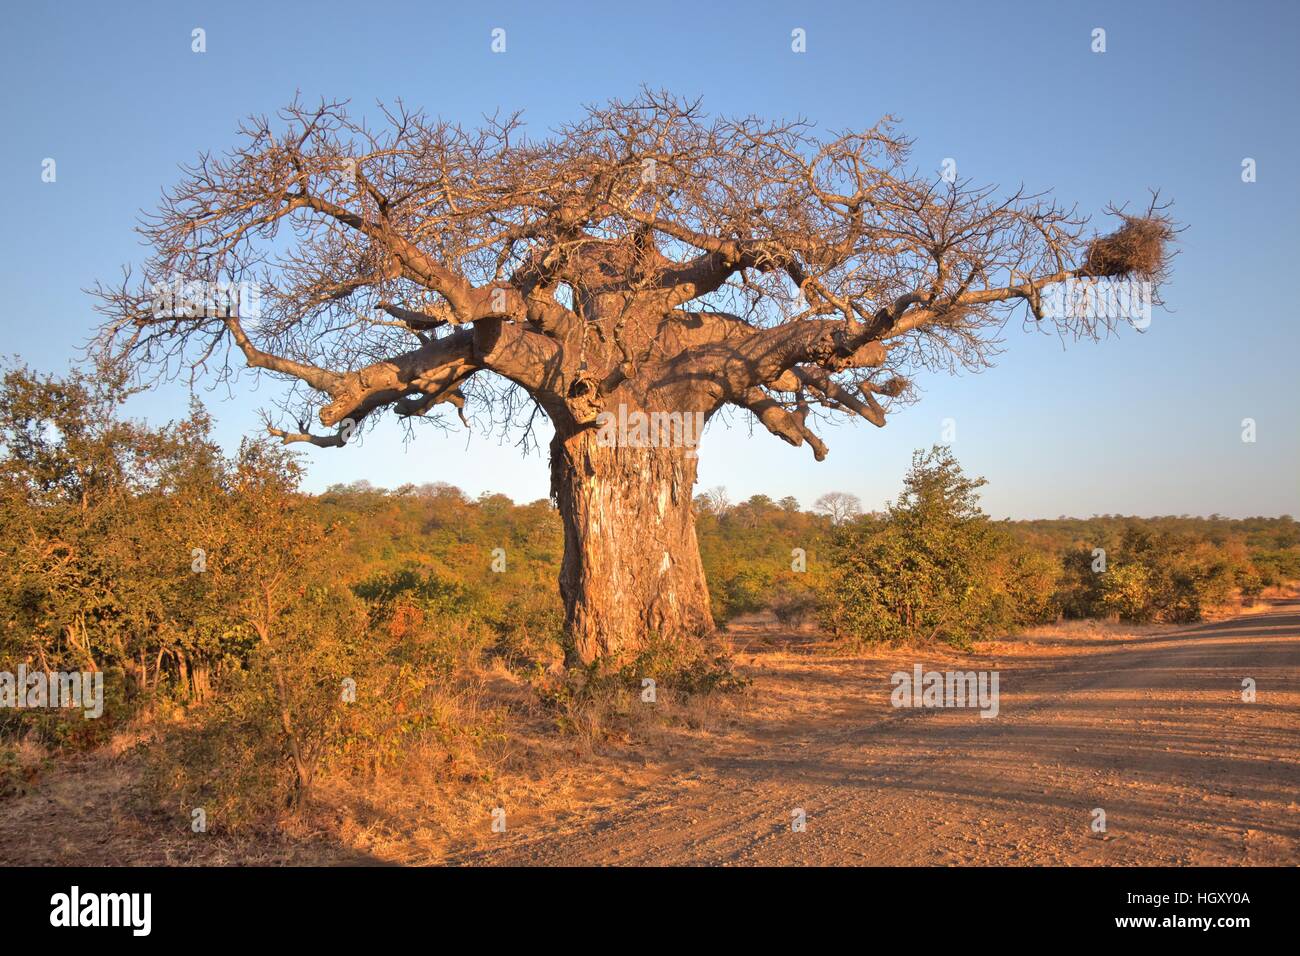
(927, 570)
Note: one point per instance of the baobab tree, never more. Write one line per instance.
(839, 506)
(645, 261)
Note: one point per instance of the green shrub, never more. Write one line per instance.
(934, 567)
(741, 589)
(1154, 576)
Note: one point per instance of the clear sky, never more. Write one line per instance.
(1140, 424)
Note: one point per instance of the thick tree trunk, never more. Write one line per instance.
(632, 567)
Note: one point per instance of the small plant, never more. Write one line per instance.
(601, 700)
(20, 765)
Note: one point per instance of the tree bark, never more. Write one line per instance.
(632, 569)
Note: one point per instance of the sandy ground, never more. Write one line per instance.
(1147, 724)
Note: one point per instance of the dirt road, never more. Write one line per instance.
(1148, 726)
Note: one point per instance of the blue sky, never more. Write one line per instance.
(1141, 423)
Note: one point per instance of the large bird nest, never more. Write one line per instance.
(1140, 247)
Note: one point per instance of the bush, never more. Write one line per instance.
(68, 729)
(742, 589)
(932, 568)
(1159, 577)
(229, 760)
(20, 765)
(1029, 583)
(793, 602)
(330, 698)
(1129, 592)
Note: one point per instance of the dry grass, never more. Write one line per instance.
(558, 759)
(21, 763)
(1078, 633)
(521, 752)
(1264, 601)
